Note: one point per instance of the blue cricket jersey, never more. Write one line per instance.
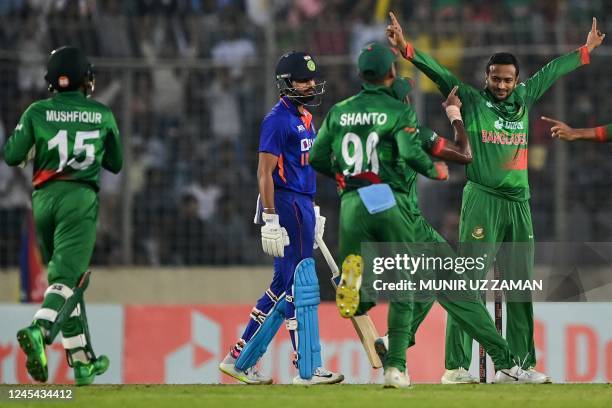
(288, 134)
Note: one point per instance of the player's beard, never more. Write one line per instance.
(500, 96)
(503, 95)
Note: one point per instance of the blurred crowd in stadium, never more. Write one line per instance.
(190, 77)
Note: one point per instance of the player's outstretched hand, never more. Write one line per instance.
(595, 37)
(395, 35)
(452, 99)
(561, 129)
(273, 236)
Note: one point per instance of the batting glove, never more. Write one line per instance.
(319, 226)
(273, 236)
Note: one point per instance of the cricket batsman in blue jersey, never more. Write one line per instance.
(287, 186)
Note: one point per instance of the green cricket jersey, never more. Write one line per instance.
(72, 136)
(498, 131)
(372, 136)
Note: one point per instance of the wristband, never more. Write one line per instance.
(408, 51)
(441, 171)
(585, 55)
(453, 113)
(601, 134)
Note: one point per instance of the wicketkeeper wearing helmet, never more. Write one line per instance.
(70, 138)
(291, 221)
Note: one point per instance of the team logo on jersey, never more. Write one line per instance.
(500, 124)
(19, 127)
(301, 128)
(306, 144)
(478, 232)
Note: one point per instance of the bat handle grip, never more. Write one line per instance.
(328, 258)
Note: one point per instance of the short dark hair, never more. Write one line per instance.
(503, 58)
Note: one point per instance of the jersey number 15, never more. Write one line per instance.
(60, 141)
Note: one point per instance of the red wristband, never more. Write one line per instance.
(601, 134)
(409, 51)
(438, 146)
(441, 170)
(585, 56)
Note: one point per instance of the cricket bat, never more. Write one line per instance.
(363, 324)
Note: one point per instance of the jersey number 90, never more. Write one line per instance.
(353, 154)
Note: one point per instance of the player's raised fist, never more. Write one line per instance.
(595, 37)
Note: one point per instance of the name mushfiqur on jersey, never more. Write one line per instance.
(73, 116)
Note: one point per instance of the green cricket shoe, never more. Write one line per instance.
(31, 340)
(84, 373)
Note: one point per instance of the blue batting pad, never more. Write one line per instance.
(257, 346)
(306, 298)
(377, 197)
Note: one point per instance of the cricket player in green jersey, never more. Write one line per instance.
(369, 144)
(457, 151)
(495, 206)
(563, 131)
(70, 138)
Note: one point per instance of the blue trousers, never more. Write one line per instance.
(296, 214)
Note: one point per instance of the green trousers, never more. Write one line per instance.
(405, 224)
(502, 230)
(65, 215)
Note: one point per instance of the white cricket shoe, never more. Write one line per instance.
(516, 375)
(458, 376)
(533, 372)
(394, 378)
(250, 376)
(320, 376)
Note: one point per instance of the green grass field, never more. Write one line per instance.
(226, 396)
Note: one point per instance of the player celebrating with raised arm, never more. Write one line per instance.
(369, 144)
(287, 187)
(71, 139)
(495, 205)
(563, 131)
(457, 151)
